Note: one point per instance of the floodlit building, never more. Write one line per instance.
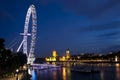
(62, 58)
(54, 54)
(53, 57)
(67, 54)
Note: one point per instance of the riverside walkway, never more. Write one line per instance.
(13, 77)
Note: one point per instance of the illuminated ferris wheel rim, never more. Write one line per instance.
(31, 11)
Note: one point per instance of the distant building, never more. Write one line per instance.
(62, 58)
(54, 56)
(67, 54)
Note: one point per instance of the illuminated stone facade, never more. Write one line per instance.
(67, 54)
(55, 57)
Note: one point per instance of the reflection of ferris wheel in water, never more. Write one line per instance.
(30, 54)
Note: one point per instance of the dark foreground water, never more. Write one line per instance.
(108, 71)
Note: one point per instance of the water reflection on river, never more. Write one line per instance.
(108, 71)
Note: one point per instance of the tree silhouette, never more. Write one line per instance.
(10, 61)
(2, 43)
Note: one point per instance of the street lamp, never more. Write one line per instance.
(24, 67)
(17, 70)
(17, 73)
(116, 58)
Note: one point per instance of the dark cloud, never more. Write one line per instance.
(90, 7)
(110, 34)
(103, 26)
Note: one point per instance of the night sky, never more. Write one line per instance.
(81, 25)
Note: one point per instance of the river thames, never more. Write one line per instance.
(108, 71)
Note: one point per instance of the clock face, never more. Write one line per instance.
(67, 51)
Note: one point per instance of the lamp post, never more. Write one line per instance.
(116, 58)
(17, 74)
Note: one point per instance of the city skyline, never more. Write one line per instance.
(82, 26)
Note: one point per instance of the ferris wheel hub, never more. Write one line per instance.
(28, 34)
